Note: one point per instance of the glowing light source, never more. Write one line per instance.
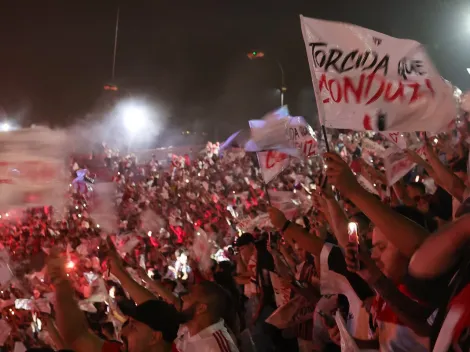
(135, 116)
(70, 265)
(5, 127)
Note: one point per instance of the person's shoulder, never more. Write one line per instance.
(432, 290)
(218, 341)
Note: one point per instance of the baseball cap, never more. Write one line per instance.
(245, 239)
(159, 316)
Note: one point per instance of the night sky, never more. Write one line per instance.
(189, 57)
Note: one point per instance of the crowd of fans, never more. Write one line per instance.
(192, 256)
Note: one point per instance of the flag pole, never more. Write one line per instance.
(265, 185)
(325, 138)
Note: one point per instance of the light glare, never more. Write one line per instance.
(5, 127)
(135, 117)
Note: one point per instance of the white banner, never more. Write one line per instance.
(396, 138)
(397, 164)
(372, 147)
(270, 132)
(366, 80)
(32, 171)
(301, 136)
(272, 163)
(347, 342)
(103, 212)
(284, 202)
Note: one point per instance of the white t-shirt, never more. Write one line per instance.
(332, 283)
(250, 289)
(214, 338)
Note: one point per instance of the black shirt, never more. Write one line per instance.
(439, 291)
(337, 263)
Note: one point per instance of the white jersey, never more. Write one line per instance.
(214, 338)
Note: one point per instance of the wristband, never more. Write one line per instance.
(286, 226)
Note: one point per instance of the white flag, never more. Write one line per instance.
(270, 133)
(397, 164)
(272, 163)
(366, 80)
(302, 137)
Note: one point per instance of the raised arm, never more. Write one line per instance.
(405, 234)
(71, 321)
(445, 177)
(339, 221)
(441, 251)
(138, 293)
(410, 312)
(293, 231)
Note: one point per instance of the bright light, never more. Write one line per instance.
(135, 116)
(468, 70)
(5, 127)
(70, 265)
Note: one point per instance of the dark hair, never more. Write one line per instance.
(362, 220)
(419, 186)
(170, 282)
(220, 303)
(224, 277)
(416, 216)
(460, 165)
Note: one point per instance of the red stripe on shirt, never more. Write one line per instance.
(221, 341)
(224, 339)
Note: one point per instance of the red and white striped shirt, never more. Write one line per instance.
(214, 338)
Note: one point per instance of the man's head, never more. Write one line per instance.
(350, 207)
(301, 252)
(386, 256)
(246, 246)
(416, 190)
(169, 284)
(206, 301)
(153, 325)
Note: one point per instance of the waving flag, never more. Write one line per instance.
(366, 80)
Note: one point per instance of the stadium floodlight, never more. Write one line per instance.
(135, 116)
(5, 127)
